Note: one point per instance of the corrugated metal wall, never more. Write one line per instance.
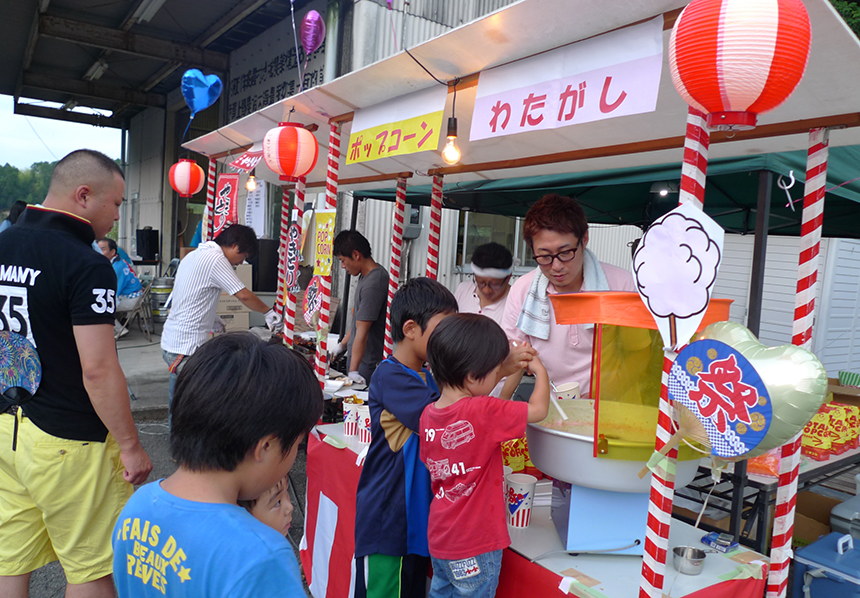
(378, 32)
(145, 174)
(836, 334)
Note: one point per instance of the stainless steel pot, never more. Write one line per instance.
(688, 560)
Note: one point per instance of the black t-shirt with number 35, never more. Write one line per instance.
(51, 279)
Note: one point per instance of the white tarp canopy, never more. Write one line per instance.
(826, 96)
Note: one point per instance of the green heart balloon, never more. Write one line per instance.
(794, 377)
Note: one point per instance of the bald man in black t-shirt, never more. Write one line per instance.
(77, 452)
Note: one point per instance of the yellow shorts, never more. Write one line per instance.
(59, 499)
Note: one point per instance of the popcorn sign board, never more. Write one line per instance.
(323, 242)
(725, 393)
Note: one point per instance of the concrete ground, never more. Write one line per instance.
(147, 378)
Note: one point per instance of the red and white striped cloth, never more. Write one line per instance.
(330, 204)
(693, 174)
(290, 307)
(399, 218)
(435, 227)
(807, 277)
(206, 229)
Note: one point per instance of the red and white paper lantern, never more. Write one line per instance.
(186, 177)
(735, 59)
(290, 150)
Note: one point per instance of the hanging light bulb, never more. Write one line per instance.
(451, 153)
(251, 183)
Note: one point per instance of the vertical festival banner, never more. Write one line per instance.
(256, 209)
(294, 253)
(323, 241)
(226, 202)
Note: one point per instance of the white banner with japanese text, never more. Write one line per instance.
(405, 125)
(256, 209)
(615, 74)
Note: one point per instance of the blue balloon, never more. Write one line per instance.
(200, 91)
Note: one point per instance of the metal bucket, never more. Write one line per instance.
(161, 289)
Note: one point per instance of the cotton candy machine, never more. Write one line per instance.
(564, 450)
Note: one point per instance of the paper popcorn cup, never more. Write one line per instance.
(350, 419)
(520, 489)
(567, 391)
(363, 420)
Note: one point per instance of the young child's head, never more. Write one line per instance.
(239, 400)
(273, 508)
(466, 345)
(416, 308)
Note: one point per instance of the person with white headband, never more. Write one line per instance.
(487, 293)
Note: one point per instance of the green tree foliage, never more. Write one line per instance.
(30, 185)
(850, 11)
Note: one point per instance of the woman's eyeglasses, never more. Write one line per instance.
(563, 256)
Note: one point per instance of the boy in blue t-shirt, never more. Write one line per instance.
(393, 499)
(240, 410)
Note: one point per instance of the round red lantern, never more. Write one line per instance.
(290, 150)
(186, 177)
(735, 59)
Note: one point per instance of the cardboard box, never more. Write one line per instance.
(236, 322)
(847, 395)
(812, 517)
(228, 304)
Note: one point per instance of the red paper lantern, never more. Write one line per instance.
(290, 150)
(186, 177)
(735, 59)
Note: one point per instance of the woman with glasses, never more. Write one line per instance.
(556, 231)
(492, 265)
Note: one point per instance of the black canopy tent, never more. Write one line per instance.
(630, 196)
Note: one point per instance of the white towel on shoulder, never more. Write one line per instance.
(534, 317)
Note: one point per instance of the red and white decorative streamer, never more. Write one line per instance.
(662, 485)
(696, 144)
(290, 308)
(330, 204)
(662, 495)
(210, 202)
(435, 227)
(807, 278)
(396, 255)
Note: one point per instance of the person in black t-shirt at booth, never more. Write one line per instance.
(77, 451)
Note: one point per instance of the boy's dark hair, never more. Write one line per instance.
(492, 255)
(110, 243)
(556, 213)
(16, 210)
(463, 345)
(232, 392)
(242, 236)
(348, 241)
(419, 299)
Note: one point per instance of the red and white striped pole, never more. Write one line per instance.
(330, 204)
(209, 216)
(693, 174)
(290, 308)
(435, 227)
(282, 249)
(807, 278)
(399, 217)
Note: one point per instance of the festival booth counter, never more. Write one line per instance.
(607, 73)
(536, 564)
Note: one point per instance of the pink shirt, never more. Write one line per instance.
(470, 303)
(567, 352)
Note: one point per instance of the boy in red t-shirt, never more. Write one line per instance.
(460, 444)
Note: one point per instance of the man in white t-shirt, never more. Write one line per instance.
(202, 276)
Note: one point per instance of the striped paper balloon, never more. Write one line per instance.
(735, 59)
(186, 177)
(290, 150)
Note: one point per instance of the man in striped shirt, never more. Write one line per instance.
(202, 276)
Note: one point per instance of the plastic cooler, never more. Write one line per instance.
(845, 517)
(829, 568)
